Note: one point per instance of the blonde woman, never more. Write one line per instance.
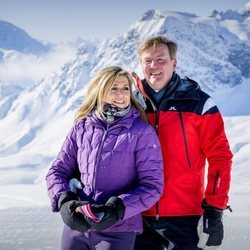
(120, 162)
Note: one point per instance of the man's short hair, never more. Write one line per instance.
(154, 42)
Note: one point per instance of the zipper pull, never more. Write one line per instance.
(157, 217)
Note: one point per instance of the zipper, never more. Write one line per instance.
(185, 138)
(157, 122)
(99, 152)
(157, 130)
(215, 181)
(98, 157)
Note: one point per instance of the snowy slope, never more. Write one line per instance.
(36, 228)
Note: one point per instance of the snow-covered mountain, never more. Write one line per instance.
(242, 15)
(35, 120)
(14, 44)
(237, 22)
(14, 38)
(24, 60)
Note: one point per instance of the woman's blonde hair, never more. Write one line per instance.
(99, 88)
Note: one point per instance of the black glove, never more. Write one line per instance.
(67, 204)
(110, 213)
(210, 227)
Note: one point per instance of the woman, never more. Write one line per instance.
(119, 159)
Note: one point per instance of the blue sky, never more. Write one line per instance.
(63, 20)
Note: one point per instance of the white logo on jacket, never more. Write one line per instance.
(172, 108)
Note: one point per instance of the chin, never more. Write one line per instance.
(153, 81)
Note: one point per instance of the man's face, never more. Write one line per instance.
(157, 66)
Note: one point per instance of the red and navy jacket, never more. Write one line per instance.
(191, 131)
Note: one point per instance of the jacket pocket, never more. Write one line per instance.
(185, 139)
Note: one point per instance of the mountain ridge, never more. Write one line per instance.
(15, 38)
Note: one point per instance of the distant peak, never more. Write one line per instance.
(151, 14)
(245, 11)
(15, 38)
(239, 15)
(148, 15)
(214, 14)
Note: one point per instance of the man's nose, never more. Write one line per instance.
(153, 63)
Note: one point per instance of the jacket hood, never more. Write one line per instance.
(186, 89)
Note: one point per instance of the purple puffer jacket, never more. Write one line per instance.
(122, 159)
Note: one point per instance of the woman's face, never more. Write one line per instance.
(119, 94)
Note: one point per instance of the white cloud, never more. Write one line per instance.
(26, 69)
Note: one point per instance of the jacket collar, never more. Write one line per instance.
(179, 89)
(125, 121)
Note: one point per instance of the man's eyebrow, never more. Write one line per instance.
(160, 55)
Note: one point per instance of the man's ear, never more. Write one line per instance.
(174, 64)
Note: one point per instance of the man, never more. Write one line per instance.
(191, 132)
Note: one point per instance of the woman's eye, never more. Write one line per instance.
(124, 89)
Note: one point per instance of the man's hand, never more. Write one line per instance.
(210, 228)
